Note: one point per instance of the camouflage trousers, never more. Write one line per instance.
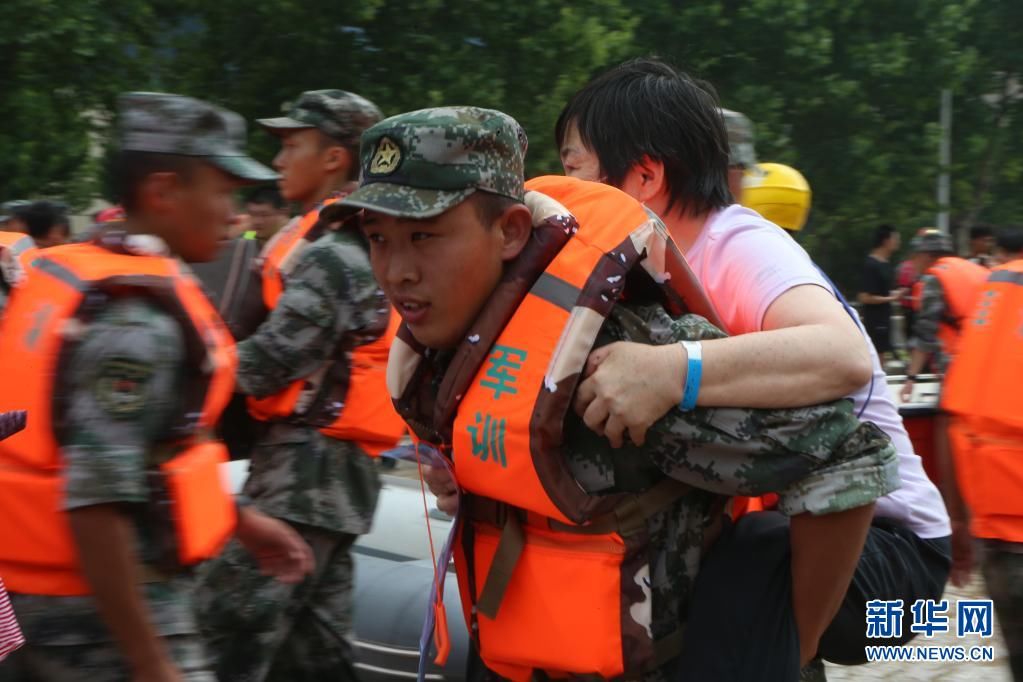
(99, 662)
(1002, 565)
(258, 629)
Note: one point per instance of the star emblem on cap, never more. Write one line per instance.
(386, 158)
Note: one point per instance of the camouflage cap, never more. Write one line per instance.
(420, 164)
(740, 139)
(931, 240)
(172, 124)
(342, 115)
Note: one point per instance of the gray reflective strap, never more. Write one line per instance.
(22, 245)
(1006, 277)
(58, 271)
(556, 291)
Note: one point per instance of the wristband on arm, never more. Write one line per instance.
(694, 372)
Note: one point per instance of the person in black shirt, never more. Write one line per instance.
(876, 295)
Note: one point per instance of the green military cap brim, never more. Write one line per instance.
(243, 168)
(405, 202)
(282, 123)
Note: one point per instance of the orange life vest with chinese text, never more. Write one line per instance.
(552, 578)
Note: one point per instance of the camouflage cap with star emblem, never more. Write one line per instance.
(740, 139)
(422, 163)
(931, 240)
(339, 114)
(161, 123)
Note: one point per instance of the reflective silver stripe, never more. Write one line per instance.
(1007, 276)
(433, 677)
(55, 269)
(556, 291)
(380, 648)
(22, 245)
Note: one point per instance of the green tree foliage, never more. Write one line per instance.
(847, 92)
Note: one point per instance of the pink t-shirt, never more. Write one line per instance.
(745, 263)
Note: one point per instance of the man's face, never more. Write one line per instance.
(437, 272)
(199, 213)
(577, 159)
(266, 219)
(301, 163)
(15, 224)
(894, 242)
(58, 235)
(982, 245)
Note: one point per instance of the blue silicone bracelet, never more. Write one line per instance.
(694, 372)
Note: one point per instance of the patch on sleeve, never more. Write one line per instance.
(120, 387)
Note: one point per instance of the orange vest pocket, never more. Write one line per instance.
(34, 538)
(562, 608)
(203, 512)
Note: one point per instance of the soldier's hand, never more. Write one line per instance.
(906, 394)
(443, 485)
(276, 547)
(962, 553)
(629, 386)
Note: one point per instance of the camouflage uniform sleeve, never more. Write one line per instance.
(819, 459)
(121, 384)
(328, 294)
(932, 309)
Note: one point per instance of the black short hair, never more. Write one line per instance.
(882, 234)
(266, 195)
(979, 231)
(42, 216)
(1010, 239)
(131, 168)
(489, 206)
(646, 107)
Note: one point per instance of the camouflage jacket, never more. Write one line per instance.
(297, 473)
(122, 387)
(819, 459)
(928, 320)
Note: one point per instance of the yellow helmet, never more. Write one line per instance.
(779, 193)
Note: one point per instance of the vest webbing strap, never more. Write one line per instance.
(629, 518)
(509, 549)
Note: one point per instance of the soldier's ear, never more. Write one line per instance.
(516, 225)
(158, 191)
(336, 159)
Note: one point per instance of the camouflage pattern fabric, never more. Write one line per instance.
(161, 123)
(336, 113)
(67, 641)
(326, 488)
(931, 240)
(122, 386)
(260, 629)
(1002, 565)
(928, 320)
(819, 459)
(297, 473)
(420, 164)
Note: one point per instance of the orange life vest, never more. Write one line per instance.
(16, 251)
(982, 391)
(551, 577)
(961, 282)
(361, 409)
(37, 552)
